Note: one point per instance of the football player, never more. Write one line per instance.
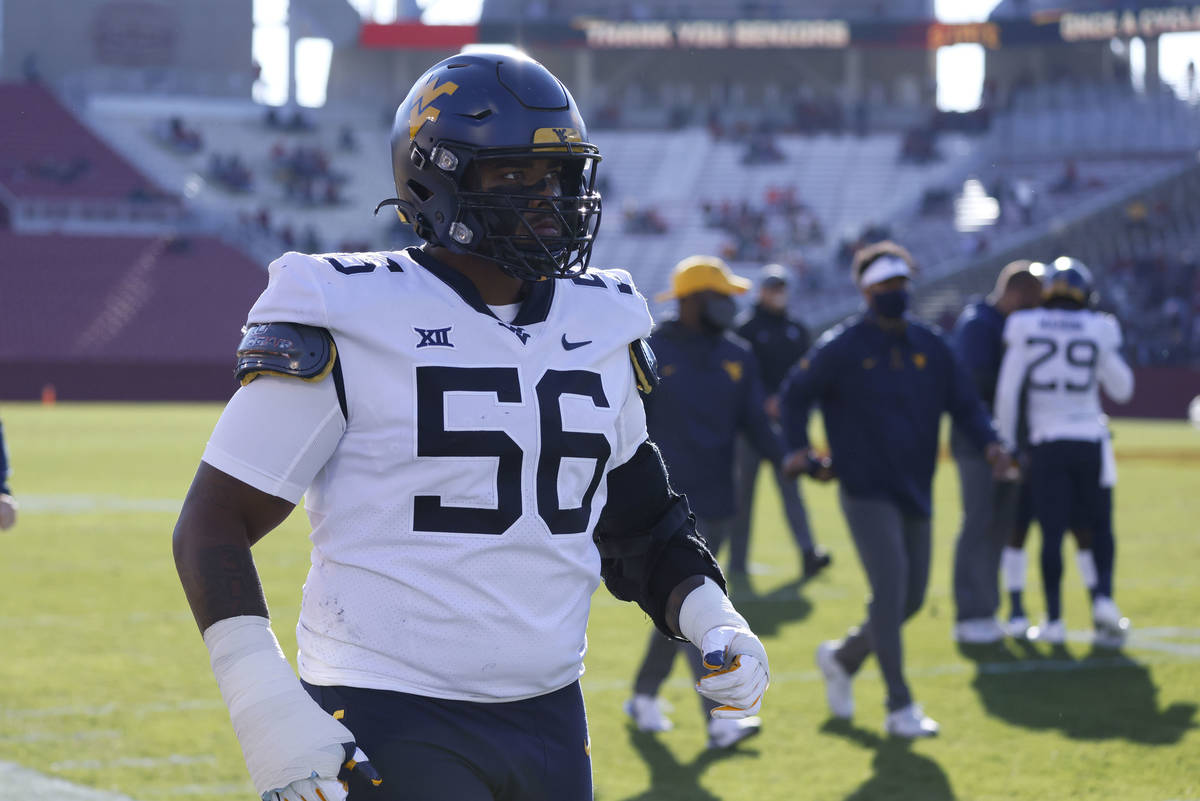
(1060, 356)
(8, 504)
(1111, 626)
(465, 424)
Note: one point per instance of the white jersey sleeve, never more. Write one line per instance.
(276, 434)
(294, 292)
(1013, 368)
(1115, 376)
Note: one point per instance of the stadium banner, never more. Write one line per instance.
(1043, 29)
(416, 36)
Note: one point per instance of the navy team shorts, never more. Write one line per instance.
(431, 749)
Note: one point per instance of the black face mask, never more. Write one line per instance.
(718, 312)
(891, 304)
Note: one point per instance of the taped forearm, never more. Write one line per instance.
(705, 608)
(284, 734)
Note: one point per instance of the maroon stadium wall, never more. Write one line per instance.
(122, 318)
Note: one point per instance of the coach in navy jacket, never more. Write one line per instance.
(883, 382)
(989, 507)
(710, 391)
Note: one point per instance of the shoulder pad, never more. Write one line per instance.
(285, 349)
(645, 365)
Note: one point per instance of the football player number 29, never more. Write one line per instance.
(1079, 354)
(433, 440)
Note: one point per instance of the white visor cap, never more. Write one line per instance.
(882, 269)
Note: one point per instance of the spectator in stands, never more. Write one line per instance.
(310, 241)
(347, 141)
(640, 220)
(30, 71)
(8, 505)
(179, 137)
(230, 172)
(762, 149)
(778, 341)
(1069, 180)
(919, 146)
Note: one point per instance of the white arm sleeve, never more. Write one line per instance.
(1116, 377)
(277, 433)
(1008, 389)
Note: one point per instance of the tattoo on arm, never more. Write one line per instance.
(221, 518)
(220, 581)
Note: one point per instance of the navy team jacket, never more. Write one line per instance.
(710, 391)
(882, 396)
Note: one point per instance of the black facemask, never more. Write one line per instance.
(718, 312)
(892, 304)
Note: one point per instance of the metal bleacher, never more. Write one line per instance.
(847, 181)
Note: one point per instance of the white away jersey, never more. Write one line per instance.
(452, 508)
(1058, 360)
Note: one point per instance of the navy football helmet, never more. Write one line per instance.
(1068, 280)
(476, 107)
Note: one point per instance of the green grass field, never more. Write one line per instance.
(105, 682)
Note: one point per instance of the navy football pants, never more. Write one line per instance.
(1065, 479)
(430, 749)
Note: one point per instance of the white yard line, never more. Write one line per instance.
(18, 783)
(91, 504)
(132, 762)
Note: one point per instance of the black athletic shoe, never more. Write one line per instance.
(815, 561)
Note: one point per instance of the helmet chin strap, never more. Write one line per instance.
(391, 201)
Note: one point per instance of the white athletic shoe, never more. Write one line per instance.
(911, 722)
(1017, 628)
(1111, 627)
(728, 732)
(839, 691)
(647, 714)
(1051, 631)
(978, 631)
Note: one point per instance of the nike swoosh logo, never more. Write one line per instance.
(573, 345)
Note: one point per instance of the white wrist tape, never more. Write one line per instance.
(705, 608)
(284, 733)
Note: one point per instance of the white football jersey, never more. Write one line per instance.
(1058, 360)
(452, 507)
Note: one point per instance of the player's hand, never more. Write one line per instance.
(772, 407)
(324, 788)
(315, 789)
(795, 464)
(821, 468)
(8, 512)
(740, 671)
(1004, 468)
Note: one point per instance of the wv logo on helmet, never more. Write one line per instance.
(422, 108)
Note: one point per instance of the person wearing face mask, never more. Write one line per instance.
(710, 391)
(779, 341)
(882, 381)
